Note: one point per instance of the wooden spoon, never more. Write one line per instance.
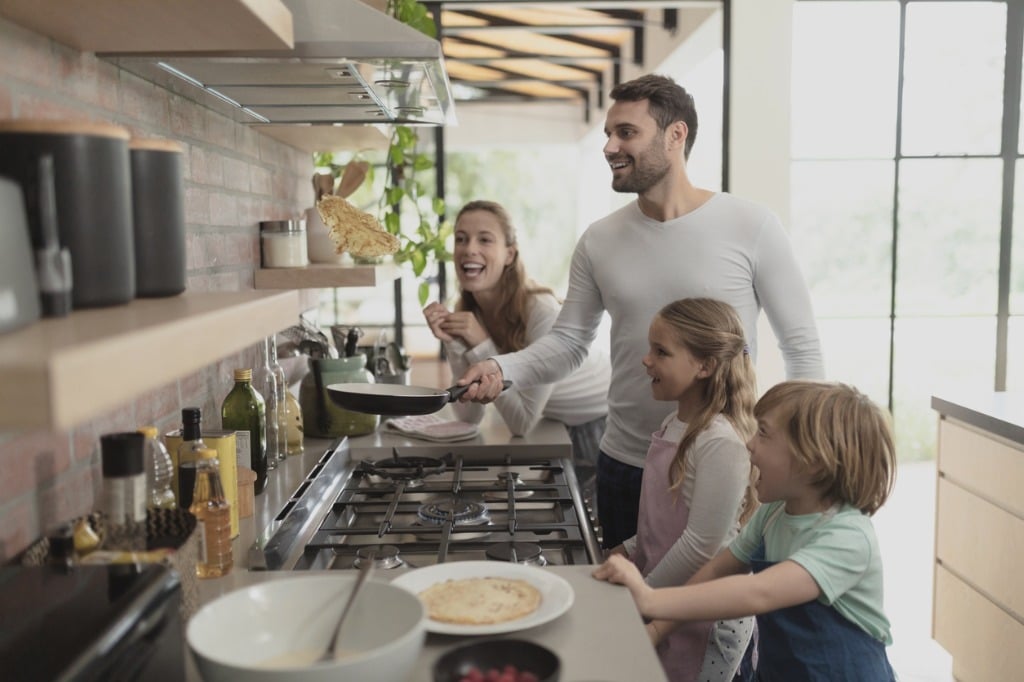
(323, 183)
(352, 177)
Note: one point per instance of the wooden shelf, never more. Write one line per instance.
(154, 26)
(326, 276)
(326, 138)
(60, 372)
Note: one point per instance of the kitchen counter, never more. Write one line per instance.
(601, 637)
(999, 413)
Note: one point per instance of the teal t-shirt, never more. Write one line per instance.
(840, 552)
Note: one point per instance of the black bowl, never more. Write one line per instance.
(498, 653)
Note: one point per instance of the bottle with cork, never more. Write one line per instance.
(213, 518)
(188, 454)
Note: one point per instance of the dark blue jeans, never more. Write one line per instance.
(618, 500)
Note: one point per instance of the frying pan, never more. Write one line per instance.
(394, 400)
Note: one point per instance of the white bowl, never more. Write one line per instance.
(268, 632)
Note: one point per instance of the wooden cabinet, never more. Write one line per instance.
(979, 545)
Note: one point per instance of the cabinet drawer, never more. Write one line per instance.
(981, 543)
(990, 467)
(984, 641)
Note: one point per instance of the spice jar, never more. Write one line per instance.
(283, 243)
(124, 490)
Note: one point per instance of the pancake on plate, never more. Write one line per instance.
(480, 601)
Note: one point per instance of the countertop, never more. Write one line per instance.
(601, 637)
(1000, 413)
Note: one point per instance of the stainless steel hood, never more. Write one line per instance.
(351, 64)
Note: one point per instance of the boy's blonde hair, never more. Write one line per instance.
(711, 330)
(838, 435)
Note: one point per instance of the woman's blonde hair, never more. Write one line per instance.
(839, 436)
(507, 322)
(711, 330)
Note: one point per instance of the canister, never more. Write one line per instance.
(283, 243)
(158, 216)
(321, 418)
(92, 173)
(225, 444)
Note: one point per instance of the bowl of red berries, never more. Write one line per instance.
(498, 660)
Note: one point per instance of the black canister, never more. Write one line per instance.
(158, 216)
(92, 175)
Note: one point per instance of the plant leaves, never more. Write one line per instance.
(424, 293)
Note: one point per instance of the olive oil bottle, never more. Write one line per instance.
(243, 409)
(213, 518)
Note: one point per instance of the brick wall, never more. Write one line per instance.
(234, 177)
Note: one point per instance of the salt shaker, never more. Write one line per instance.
(124, 490)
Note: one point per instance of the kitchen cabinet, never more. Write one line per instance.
(326, 276)
(157, 25)
(59, 372)
(978, 613)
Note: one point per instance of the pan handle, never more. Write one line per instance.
(455, 392)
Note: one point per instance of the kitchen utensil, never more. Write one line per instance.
(19, 292)
(274, 631)
(352, 341)
(53, 263)
(332, 643)
(323, 183)
(395, 400)
(524, 655)
(321, 417)
(352, 177)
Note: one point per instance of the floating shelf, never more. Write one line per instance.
(60, 372)
(326, 138)
(152, 26)
(326, 276)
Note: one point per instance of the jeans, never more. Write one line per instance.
(618, 500)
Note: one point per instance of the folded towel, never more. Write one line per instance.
(433, 427)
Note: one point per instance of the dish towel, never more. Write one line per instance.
(433, 427)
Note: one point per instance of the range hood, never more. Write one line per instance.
(351, 63)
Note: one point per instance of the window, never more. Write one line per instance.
(897, 197)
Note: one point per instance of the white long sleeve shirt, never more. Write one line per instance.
(576, 399)
(631, 265)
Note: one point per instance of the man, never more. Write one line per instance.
(676, 241)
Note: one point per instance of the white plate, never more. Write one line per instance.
(556, 594)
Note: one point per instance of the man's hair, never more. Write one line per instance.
(668, 102)
(839, 436)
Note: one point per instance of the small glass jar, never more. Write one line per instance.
(283, 243)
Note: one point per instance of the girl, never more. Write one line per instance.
(826, 460)
(501, 310)
(696, 480)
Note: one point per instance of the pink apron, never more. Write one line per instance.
(662, 520)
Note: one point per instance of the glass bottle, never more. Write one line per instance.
(284, 446)
(244, 410)
(159, 471)
(188, 454)
(292, 426)
(266, 384)
(124, 490)
(213, 518)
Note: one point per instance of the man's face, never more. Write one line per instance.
(635, 149)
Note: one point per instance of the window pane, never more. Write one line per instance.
(857, 353)
(844, 96)
(932, 358)
(948, 251)
(842, 234)
(953, 77)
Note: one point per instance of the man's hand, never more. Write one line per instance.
(491, 381)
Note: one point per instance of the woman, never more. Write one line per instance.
(501, 310)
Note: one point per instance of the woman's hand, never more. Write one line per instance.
(465, 326)
(436, 314)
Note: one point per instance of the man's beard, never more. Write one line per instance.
(645, 174)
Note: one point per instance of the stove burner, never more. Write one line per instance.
(385, 556)
(501, 494)
(464, 512)
(517, 552)
(413, 469)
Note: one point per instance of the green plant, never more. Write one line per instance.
(413, 13)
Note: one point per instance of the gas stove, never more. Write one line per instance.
(405, 511)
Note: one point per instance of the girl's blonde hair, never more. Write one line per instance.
(838, 435)
(711, 330)
(507, 322)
